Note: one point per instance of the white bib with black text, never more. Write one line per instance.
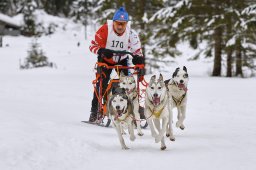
(118, 43)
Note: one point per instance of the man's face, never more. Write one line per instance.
(120, 26)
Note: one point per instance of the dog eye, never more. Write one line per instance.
(152, 88)
(121, 100)
(130, 83)
(159, 88)
(123, 83)
(114, 101)
(185, 76)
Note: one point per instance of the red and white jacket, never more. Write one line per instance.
(106, 37)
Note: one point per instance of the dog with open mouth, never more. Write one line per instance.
(129, 84)
(177, 92)
(120, 110)
(156, 109)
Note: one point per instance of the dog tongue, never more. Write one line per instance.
(156, 100)
(119, 112)
(181, 86)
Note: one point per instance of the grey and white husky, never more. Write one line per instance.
(177, 92)
(156, 108)
(129, 84)
(120, 111)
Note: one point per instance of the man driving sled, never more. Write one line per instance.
(116, 35)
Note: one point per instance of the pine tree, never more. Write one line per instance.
(82, 11)
(4, 6)
(29, 29)
(219, 23)
(36, 57)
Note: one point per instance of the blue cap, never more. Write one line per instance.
(121, 15)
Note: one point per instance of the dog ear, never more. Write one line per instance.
(122, 74)
(185, 69)
(153, 78)
(123, 90)
(125, 97)
(166, 81)
(160, 77)
(175, 72)
(133, 79)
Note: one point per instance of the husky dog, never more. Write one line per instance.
(177, 92)
(129, 84)
(156, 108)
(120, 111)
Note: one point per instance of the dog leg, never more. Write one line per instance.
(182, 113)
(150, 123)
(163, 146)
(169, 129)
(131, 131)
(162, 131)
(152, 128)
(121, 139)
(157, 124)
(137, 119)
(122, 130)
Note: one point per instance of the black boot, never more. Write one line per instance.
(94, 110)
(93, 117)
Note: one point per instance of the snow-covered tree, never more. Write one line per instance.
(216, 22)
(36, 57)
(82, 11)
(29, 29)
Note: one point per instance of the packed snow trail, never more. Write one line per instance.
(41, 112)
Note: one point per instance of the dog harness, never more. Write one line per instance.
(178, 101)
(158, 113)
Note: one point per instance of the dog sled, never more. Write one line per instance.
(137, 70)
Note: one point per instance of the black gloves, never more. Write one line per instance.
(105, 52)
(138, 60)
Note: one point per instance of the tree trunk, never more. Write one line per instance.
(239, 71)
(229, 50)
(1, 41)
(217, 51)
(229, 62)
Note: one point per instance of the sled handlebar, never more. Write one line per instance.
(122, 53)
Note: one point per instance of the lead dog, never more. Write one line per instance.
(129, 84)
(156, 108)
(120, 111)
(177, 92)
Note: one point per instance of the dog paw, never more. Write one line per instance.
(178, 124)
(132, 138)
(163, 148)
(172, 138)
(182, 127)
(140, 133)
(167, 135)
(125, 148)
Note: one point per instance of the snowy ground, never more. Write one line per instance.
(41, 112)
